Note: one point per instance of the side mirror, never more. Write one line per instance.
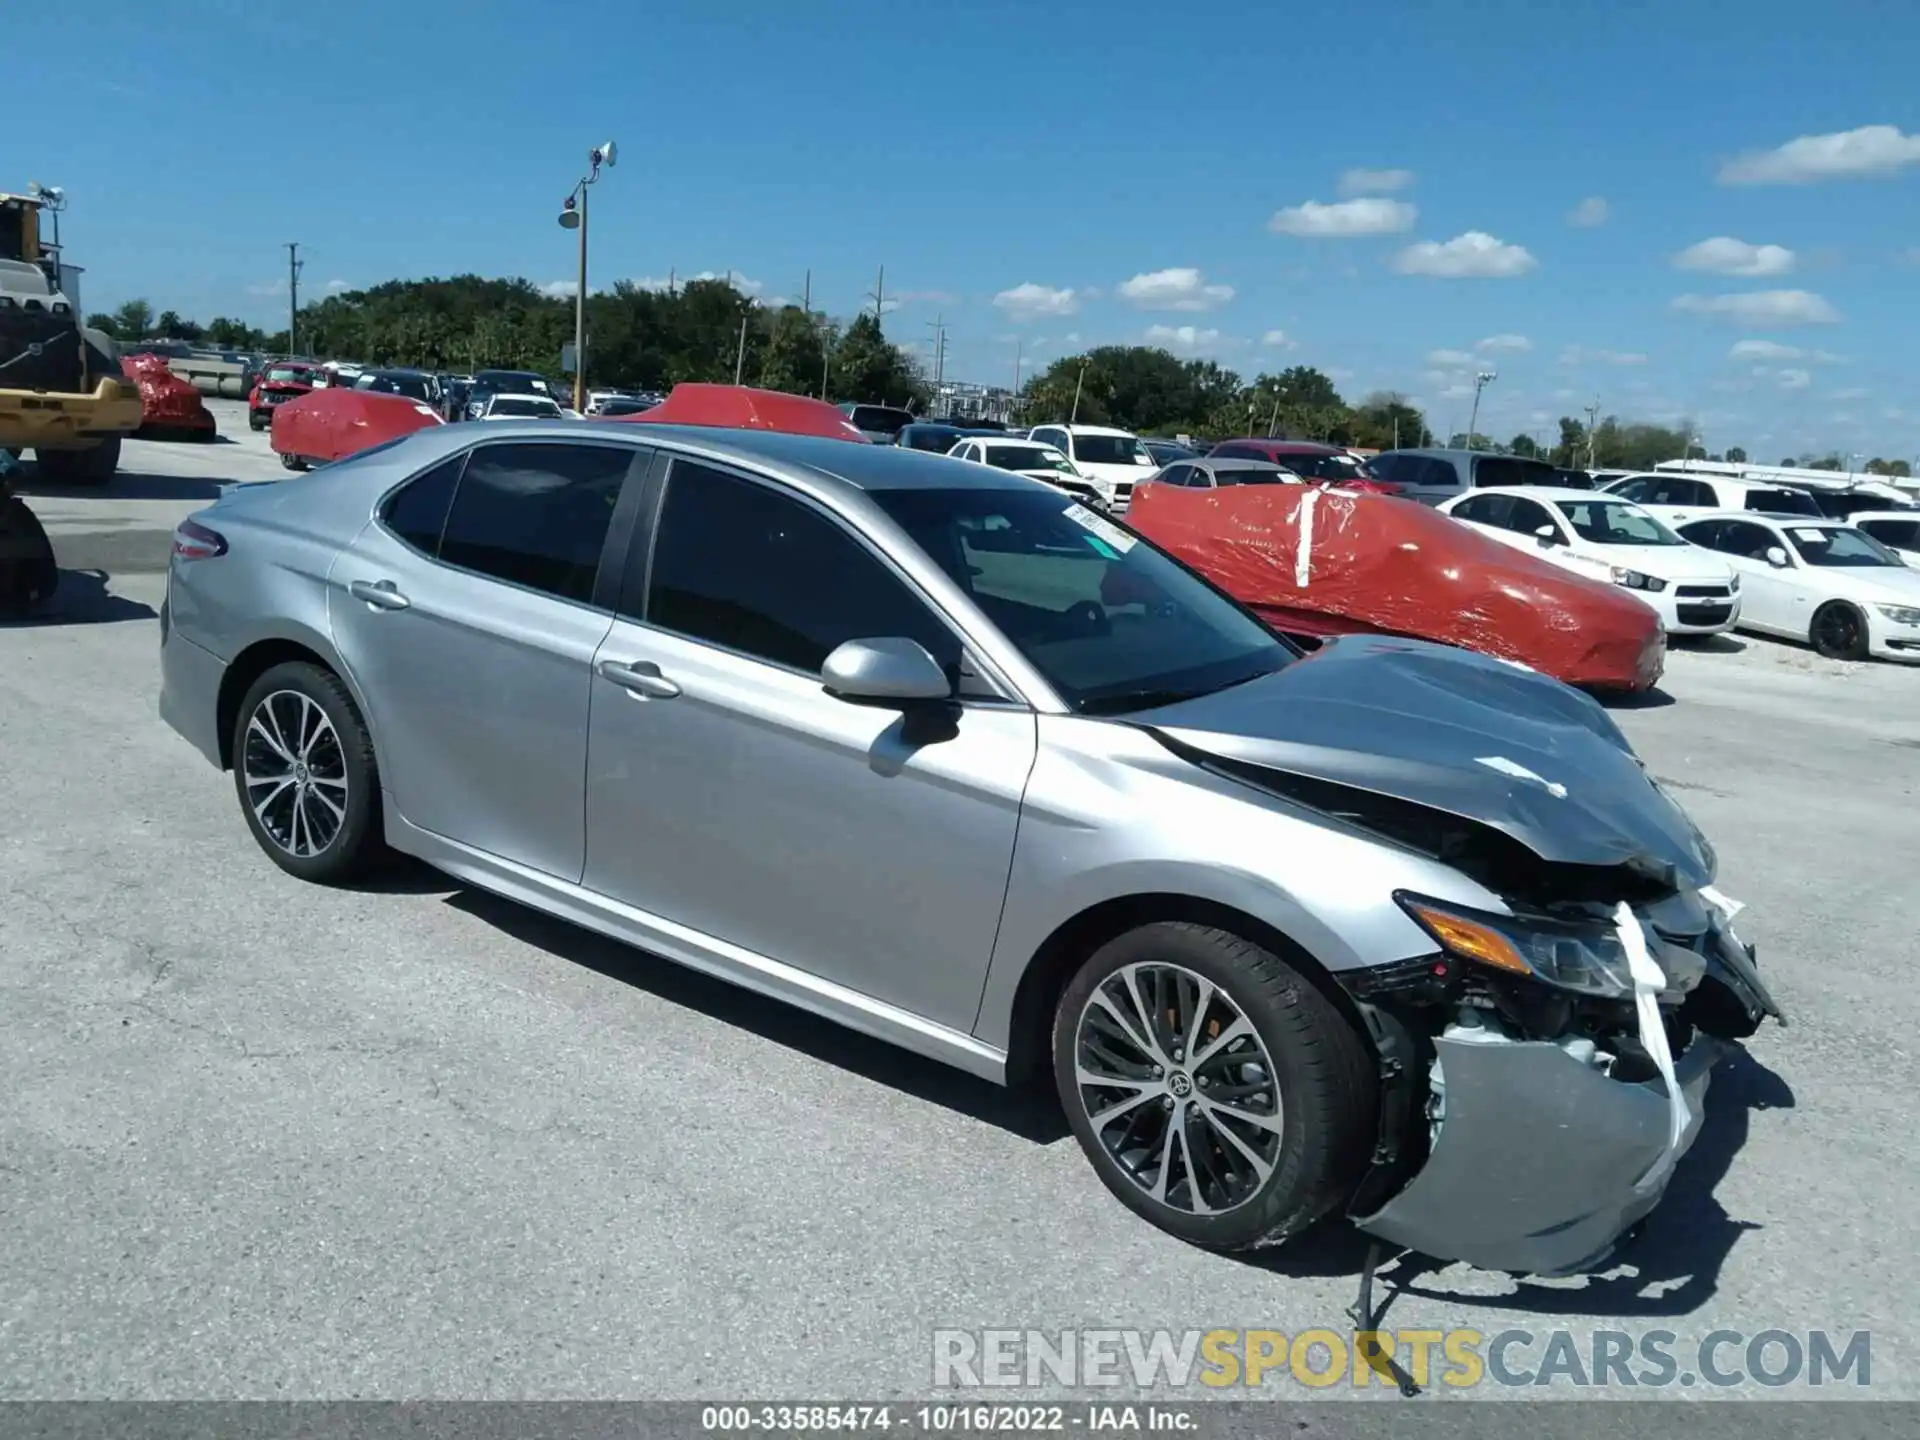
(888, 671)
(1548, 535)
(1777, 557)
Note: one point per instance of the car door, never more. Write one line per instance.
(729, 794)
(1488, 515)
(468, 614)
(1684, 499)
(1771, 597)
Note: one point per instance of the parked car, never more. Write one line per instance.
(1014, 791)
(1025, 457)
(1898, 530)
(334, 422)
(419, 385)
(1676, 498)
(1820, 581)
(512, 382)
(1605, 538)
(1208, 473)
(500, 406)
(617, 405)
(1574, 479)
(881, 424)
(932, 437)
(1431, 476)
(280, 382)
(1329, 464)
(1111, 461)
(1839, 504)
(1166, 452)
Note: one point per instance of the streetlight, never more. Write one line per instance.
(1480, 382)
(573, 216)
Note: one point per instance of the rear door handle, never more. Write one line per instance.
(641, 677)
(382, 594)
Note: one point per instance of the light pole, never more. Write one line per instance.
(573, 216)
(1480, 382)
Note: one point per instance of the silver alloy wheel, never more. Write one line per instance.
(1179, 1088)
(295, 772)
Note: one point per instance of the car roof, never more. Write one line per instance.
(1773, 518)
(995, 437)
(1547, 492)
(1233, 462)
(1287, 447)
(1086, 429)
(1885, 515)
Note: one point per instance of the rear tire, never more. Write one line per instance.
(1839, 631)
(292, 462)
(254, 422)
(92, 466)
(305, 775)
(1211, 1151)
(28, 574)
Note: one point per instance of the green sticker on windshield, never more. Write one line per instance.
(1106, 551)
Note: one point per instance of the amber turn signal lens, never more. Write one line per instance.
(1472, 940)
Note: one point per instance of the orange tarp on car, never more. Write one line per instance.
(740, 407)
(1321, 562)
(332, 424)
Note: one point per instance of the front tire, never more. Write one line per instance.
(304, 772)
(1256, 1138)
(92, 466)
(1839, 631)
(292, 462)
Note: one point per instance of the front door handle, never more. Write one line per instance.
(382, 594)
(642, 677)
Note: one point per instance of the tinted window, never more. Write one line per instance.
(1386, 467)
(741, 566)
(1781, 502)
(1253, 475)
(1110, 450)
(1679, 492)
(1640, 490)
(417, 511)
(1112, 623)
(1736, 537)
(1438, 474)
(880, 419)
(1527, 516)
(1179, 475)
(1507, 470)
(1318, 466)
(1902, 534)
(532, 407)
(1483, 509)
(1027, 457)
(536, 515)
(1232, 451)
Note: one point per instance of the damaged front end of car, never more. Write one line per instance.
(1544, 1065)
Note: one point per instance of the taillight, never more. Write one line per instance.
(193, 541)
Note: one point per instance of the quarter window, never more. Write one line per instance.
(536, 515)
(417, 511)
(743, 567)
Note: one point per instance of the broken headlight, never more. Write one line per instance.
(1583, 957)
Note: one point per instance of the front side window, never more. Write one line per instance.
(1839, 547)
(1639, 491)
(1110, 450)
(1750, 542)
(1529, 518)
(1112, 623)
(1604, 522)
(536, 515)
(1478, 510)
(1178, 475)
(739, 565)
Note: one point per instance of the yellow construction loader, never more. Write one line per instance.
(63, 394)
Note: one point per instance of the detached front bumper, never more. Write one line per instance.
(1535, 1164)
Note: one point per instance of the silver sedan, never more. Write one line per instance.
(936, 751)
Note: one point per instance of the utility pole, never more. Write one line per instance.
(1274, 423)
(1593, 416)
(939, 328)
(1018, 355)
(806, 295)
(294, 263)
(879, 295)
(1480, 382)
(740, 355)
(1079, 380)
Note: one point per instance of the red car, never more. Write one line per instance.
(1329, 464)
(329, 424)
(1314, 562)
(170, 408)
(281, 381)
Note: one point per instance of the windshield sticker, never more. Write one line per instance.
(1812, 537)
(1098, 525)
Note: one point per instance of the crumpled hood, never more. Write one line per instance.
(1457, 732)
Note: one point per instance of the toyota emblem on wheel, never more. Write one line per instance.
(1180, 1085)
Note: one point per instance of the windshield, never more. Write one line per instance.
(290, 374)
(1326, 467)
(409, 385)
(1839, 547)
(513, 382)
(1028, 457)
(880, 419)
(523, 405)
(1110, 450)
(1112, 623)
(1782, 502)
(1615, 522)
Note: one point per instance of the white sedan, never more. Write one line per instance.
(1031, 458)
(521, 407)
(1608, 539)
(1821, 581)
(1898, 530)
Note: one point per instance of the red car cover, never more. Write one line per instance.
(1321, 562)
(740, 407)
(331, 424)
(168, 404)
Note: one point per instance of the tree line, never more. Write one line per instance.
(710, 330)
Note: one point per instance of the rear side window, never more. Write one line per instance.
(417, 511)
(740, 566)
(536, 515)
(1782, 502)
(1901, 534)
(1505, 470)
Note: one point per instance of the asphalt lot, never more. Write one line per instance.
(263, 1140)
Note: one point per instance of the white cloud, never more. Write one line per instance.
(1025, 302)
(657, 282)
(1794, 379)
(334, 287)
(1449, 359)
(1580, 355)
(1763, 350)
(1589, 213)
(1181, 288)
(1761, 309)
(1346, 219)
(563, 289)
(1724, 255)
(1279, 340)
(1852, 392)
(1374, 182)
(1868, 152)
(1475, 255)
(1508, 344)
(1072, 337)
(1181, 337)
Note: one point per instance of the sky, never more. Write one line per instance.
(1695, 209)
